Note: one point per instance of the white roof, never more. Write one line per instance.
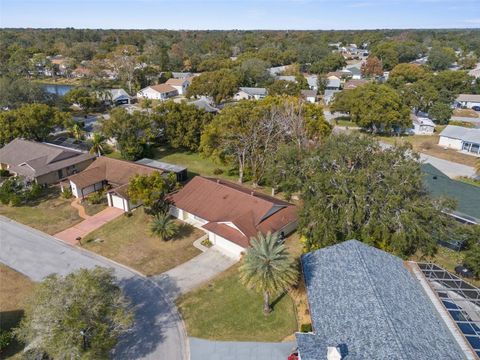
(468, 97)
(462, 133)
(117, 93)
(254, 91)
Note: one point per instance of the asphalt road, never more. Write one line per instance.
(158, 332)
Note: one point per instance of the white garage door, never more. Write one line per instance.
(227, 247)
(117, 202)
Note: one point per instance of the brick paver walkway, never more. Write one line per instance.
(91, 223)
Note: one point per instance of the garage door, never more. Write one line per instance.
(117, 202)
(226, 246)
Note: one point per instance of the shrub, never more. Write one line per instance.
(4, 173)
(207, 243)
(96, 198)
(67, 193)
(6, 338)
(306, 328)
(217, 171)
(426, 145)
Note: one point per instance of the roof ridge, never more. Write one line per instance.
(377, 297)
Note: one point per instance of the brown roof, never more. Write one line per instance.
(352, 84)
(116, 172)
(32, 159)
(163, 88)
(176, 82)
(221, 202)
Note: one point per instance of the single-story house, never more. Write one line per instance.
(367, 304)
(333, 83)
(422, 125)
(329, 95)
(312, 81)
(290, 78)
(461, 138)
(158, 92)
(475, 72)
(309, 95)
(181, 84)
(355, 71)
(115, 97)
(205, 104)
(468, 100)
(41, 162)
(179, 171)
(466, 196)
(181, 75)
(250, 93)
(277, 70)
(112, 174)
(230, 213)
(354, 83)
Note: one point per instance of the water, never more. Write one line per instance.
(57, 89)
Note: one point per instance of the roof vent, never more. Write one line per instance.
(333, 353)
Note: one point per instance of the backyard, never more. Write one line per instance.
(50, 213)
(128, 240)
(14, 289)
(224, 309)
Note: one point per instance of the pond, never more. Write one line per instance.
(57, 89)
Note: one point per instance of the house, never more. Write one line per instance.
(312, 81)
(468, 100)
(367, 304)
(422, 125)
(329, 95)
(111, 174)
(204, 104)
(333, 83)
(115, 97)
(354, 83)
(181, 75)
(461, 138)
(475, 72)
(277, 70)
(466, 196)
(250, 93)
(41, 162)
(290, 78)
(158, 92)
(230, 213)
(355, 72)
(181, 84)
(309, 95)
(179, 171)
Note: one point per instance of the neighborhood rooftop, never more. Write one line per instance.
(468, 98)
(161, 165)
(254, 91)
(365, 302)
(462, 133)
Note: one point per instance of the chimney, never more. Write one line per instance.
(333, 353)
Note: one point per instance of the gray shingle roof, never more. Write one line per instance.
(462, 133)
(365, 301)
(468, 97)
(254, 91)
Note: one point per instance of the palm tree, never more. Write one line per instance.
(164, 226)
(268, 268)
(98, 144)
(77, 131)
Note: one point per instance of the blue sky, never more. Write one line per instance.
(241, 14)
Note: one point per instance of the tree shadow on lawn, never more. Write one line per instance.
(184, 231)
(277, 300)
(154, 316)
(50, 193)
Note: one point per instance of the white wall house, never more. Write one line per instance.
(422, 125)
(466, 140)
(157, 92)
(181, 85)
(249, 93)
(468, 100)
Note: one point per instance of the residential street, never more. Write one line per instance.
(159, 332)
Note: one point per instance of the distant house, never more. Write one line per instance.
(422, 125)
(355, 71)
(204, 104)
(475, 72)
(466, 196)
(460, 138)
(250, 93)
(157, 92)
(276, 70)
(230, 213)
(115, 97)
(309, 95)
(290, 78)
(333, 83)
(179, 171)
(181, 84)
(112, 174)
(329, 95)
(312, 81)
(367, 304)
(354, 83)
(468, 100)
(42, 163)
(181, 75)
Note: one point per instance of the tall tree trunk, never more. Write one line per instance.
(266, 303)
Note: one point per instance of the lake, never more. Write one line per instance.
(57, 89)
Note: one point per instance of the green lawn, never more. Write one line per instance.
(51, 213)
(224, 309)
(14, 289)
(128, 240)
(92, 209)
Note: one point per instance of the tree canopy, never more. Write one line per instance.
(219, 84)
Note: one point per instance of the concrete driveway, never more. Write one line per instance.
(81, 229)
(193, 273)
(158, 332)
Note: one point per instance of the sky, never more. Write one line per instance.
(240, 14)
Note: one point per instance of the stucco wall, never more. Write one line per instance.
(450, 143)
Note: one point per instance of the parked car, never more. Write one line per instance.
(463, 271)
(476, 108)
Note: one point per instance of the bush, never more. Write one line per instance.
(67, 193)
(426, 145)
(96, 198)
(306, 328)
(4, 173)
(6, 338)
(207, 243)
(217, 171)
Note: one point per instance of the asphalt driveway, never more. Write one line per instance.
(158, 333)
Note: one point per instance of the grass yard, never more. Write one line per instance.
(429, 145)
(14, 289)
(128, 241)
(224, 309)
(465, 113)
(51, 213)
(92, 209)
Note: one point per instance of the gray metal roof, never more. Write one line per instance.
(161, 165)
(364, 301)
(287, 78)
(468, 97)
(254, 91)
(462, 133)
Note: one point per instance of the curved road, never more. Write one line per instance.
(158, 332)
